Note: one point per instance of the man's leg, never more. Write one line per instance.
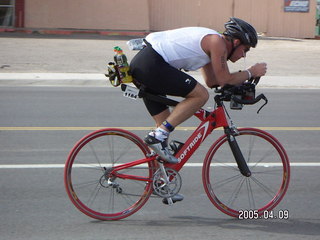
(185, 109)
(161, 117)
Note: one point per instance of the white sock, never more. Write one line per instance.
(161, 134)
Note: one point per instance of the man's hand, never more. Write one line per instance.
(258, 70)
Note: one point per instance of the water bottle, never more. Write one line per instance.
(120, 58)
(136, 44)
(122, 65)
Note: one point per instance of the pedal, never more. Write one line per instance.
(172, 200)
(131, 92)
(169, 201)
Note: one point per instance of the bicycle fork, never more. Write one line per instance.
(236, 151)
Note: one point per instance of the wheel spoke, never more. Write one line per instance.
(86, 184)
(95, 155)
(251, 198)
(225, 165)
(223, 182)
(264, 157)
(250, 148)
(235, 193)
(264, 187)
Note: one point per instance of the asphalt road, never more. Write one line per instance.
(39, 125)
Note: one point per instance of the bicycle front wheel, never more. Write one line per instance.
(87, 178)
(233, 193)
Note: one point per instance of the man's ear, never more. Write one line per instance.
(236, 42)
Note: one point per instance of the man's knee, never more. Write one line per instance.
(201, 93)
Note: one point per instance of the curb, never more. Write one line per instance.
(98, 79)
(53, 79)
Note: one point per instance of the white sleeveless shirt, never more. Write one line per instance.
(181, 47)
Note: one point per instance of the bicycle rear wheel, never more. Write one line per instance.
(88, 183)
(229, 190)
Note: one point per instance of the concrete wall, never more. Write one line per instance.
(267, 16)
(87, 14)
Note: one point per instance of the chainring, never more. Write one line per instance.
(166, 188)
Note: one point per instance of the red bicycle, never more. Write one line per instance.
(111, 173)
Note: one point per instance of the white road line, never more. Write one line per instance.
(37, 166)
(144, 128)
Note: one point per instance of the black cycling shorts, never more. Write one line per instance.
(157, 76)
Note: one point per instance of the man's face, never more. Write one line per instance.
(240, 52)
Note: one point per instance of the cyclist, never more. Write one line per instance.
(157, 68)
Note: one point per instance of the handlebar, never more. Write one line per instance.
(240, 95)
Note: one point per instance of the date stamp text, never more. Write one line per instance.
(255, 214)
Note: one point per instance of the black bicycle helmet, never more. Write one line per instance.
(239, 29)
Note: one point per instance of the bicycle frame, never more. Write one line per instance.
(209, 121)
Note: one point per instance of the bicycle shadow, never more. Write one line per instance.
(309, 227)
(294, 227)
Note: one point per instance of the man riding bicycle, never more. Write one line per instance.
(157, 68)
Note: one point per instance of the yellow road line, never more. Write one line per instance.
(143, 128)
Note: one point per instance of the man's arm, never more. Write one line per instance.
(217, 72)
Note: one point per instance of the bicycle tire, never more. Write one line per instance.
(232, 192)
(86, 169)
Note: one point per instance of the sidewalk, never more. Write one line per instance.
(80, 60)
